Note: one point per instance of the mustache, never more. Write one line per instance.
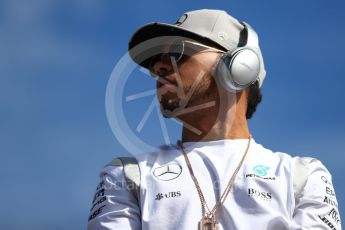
(167, 80)
(168, 84)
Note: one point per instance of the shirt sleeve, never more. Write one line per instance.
(316, 206)
(113, 205)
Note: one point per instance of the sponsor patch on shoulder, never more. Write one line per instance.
(332, 219)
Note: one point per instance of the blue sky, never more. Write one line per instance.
(55, 61)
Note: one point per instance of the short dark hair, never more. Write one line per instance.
(254, 98)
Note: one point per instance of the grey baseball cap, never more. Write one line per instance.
(216, 27)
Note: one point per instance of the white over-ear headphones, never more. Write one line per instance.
(238, 69)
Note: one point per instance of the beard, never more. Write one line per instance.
(170, 103)
(173, 103)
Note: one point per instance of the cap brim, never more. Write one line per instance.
(141, 56)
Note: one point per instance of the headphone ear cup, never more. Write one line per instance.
(222, 73)
(236, 71)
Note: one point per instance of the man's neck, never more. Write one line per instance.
(219, 131)
(226, 120)
(204, 127)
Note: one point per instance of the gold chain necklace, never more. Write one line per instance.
(208, 221)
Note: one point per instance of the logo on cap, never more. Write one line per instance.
(223, 36)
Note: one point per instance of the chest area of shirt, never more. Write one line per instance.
(257, 185)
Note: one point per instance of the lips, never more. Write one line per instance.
(169, 82)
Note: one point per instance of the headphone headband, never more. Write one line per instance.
(251, 37)
(238, 69)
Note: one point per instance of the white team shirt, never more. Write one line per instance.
(262, 196)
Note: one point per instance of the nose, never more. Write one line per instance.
(162, 67)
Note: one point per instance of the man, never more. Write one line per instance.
(209, 71)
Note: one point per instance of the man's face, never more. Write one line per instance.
(184, 79)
